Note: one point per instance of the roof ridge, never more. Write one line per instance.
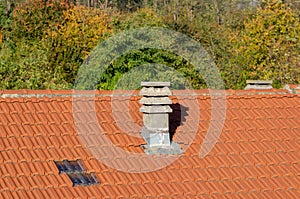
(181, 93)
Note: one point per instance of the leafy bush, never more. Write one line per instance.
(45, 43)
(139, 58)
(146, 17)
(31, 20)
(268, 47)
(27, 67)
(42, 43)
(70, 42)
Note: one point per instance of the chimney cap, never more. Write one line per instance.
(156, 109)
(155, 84)
(155, 91)
(156, 100)
(259, 82)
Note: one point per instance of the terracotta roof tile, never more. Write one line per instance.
(257, 154)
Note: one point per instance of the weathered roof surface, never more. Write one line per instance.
(257, 154)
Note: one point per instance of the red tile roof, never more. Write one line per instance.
(257, 154)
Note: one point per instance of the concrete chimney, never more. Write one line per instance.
(155, 108)
(156, 111)
(259, 84)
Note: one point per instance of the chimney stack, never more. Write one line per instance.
(259, 84)
(155, 108)
(156, 111)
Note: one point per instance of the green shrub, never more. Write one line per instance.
(268, 47)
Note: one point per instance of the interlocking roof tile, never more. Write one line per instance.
(257, 154)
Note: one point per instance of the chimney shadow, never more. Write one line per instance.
(176, 118)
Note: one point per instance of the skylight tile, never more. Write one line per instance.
(66, 166)
(77, 172)
(83, 178)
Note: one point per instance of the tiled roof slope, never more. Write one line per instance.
(256, 156)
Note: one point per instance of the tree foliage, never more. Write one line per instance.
(46, 43)
(43, 43)
(268, 47)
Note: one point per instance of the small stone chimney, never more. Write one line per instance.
(156, 111)
(155, 108)
(259, 84)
